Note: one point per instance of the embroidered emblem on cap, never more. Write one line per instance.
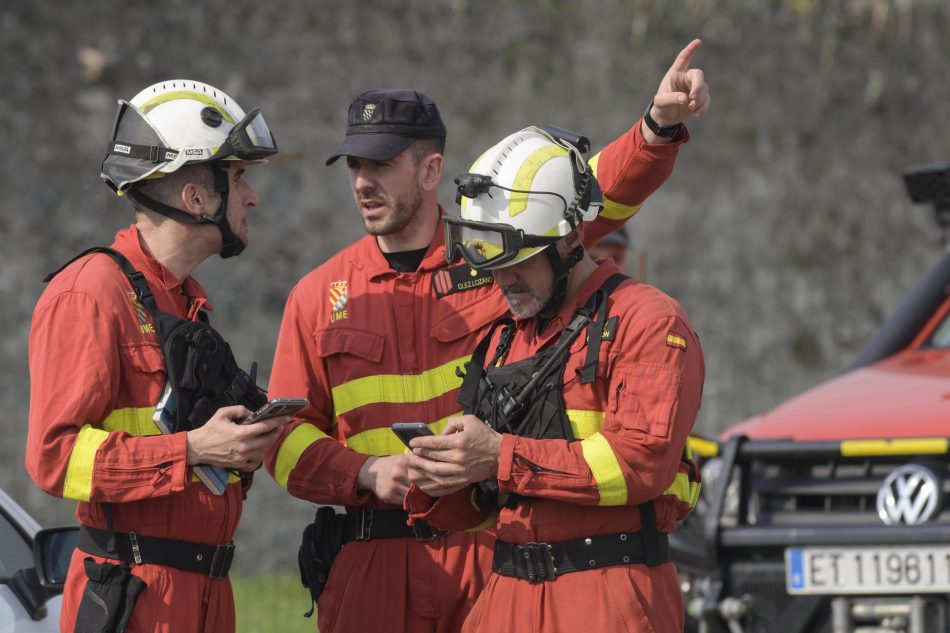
(338, 297)
(368, 110)
(675, 340)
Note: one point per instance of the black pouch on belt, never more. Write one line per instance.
(109, 597)
(322, 541)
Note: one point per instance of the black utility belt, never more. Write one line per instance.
(211, 560)
(538, 562)
(363, 525)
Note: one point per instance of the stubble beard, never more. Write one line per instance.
(404, 209)
(527, 303)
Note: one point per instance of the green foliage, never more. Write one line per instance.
(272, 602)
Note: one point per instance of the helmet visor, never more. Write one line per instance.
(250, 139)
(486, 245)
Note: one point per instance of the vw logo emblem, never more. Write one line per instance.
(910, 495)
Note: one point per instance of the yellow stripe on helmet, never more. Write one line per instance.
(156, 101)
(526, 173)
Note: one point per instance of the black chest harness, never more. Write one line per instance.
(526, 398)
(202, 372)
(203, 376)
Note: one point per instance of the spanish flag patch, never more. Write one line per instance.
(675, 340)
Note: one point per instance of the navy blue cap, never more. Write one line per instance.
(617, 236)
(381, 124)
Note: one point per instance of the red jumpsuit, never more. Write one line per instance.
(96, 372)
(632, 423)
(368, 346)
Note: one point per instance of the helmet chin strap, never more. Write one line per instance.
(231, 244)
(561, 268)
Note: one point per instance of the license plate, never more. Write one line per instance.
(859, 570)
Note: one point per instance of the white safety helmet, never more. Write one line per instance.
(181, 122)
(520, 197)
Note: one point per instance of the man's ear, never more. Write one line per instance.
(430, 171)
(573, 239)
(193, 198)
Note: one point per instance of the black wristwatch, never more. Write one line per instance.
(663, 131)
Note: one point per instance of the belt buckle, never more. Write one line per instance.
(424, 532)
(537, 559)
(221, 561)
(364, 524)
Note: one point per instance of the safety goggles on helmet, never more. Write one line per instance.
(249, 139)
(487, 244)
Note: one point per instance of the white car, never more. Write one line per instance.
(33, 565)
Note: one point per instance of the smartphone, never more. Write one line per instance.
(408, 430)
(274, 408)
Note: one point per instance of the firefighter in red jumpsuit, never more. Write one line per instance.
(377, 334)
(589, 396)
(97, 371)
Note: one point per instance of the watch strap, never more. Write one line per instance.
(663, 131)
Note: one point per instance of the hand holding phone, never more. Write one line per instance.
(274, 408)
(408, 430)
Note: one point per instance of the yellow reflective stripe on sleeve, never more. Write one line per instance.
(292, 448)
(396, 388)
(526, 173)
(702, 447)
(133, 420)
(616, 211)
(82, 461)
(604, 466)
(613, 210)
(383, 441)
(683, 489)
(915, 446)
(585, 423)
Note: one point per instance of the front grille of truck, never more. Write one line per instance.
(833, 491)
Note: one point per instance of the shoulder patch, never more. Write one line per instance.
(338, 296)
(145, 320)
(458, 278)
(675, 340)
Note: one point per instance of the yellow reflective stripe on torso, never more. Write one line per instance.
(613, 210)
(82, 461)
(133, 420)
(296, 442)
(604, 466)
(585, 423)
(397, 388)
(383, 441)
(138, 421)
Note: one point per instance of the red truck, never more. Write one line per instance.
(829, 514)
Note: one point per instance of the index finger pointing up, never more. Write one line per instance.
(681, 63)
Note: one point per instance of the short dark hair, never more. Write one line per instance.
(167, 189)
(425, 146)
